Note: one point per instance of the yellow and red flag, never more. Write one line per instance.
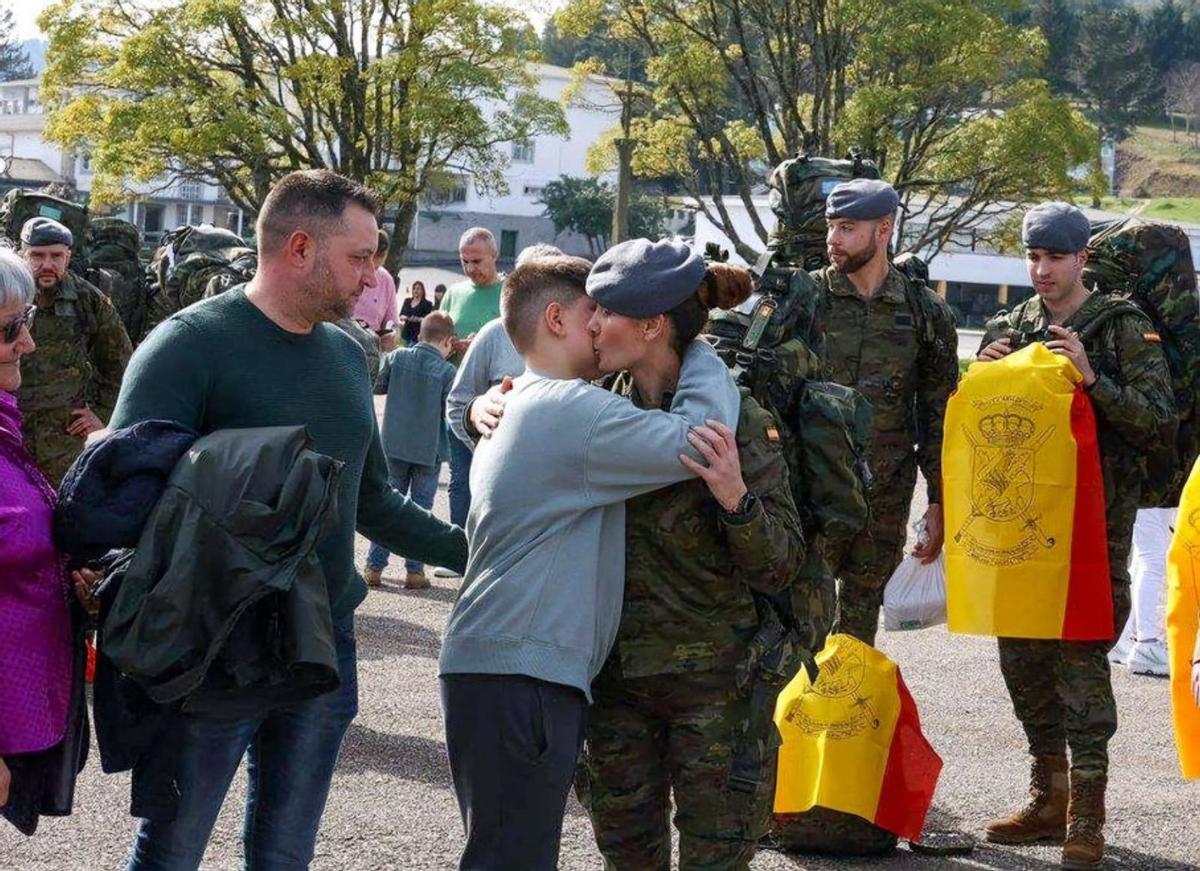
(852, 741)
(1183, 622)
(1026, 539)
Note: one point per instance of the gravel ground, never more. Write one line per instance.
(392, 806)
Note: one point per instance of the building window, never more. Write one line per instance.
(508, 244)
(522, 152)
(190, 190)
(181, 214)
(454, 194)
(152, 217)
(225, 217)
(534, 190)
(85, 161)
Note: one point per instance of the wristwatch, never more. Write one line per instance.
(741, 512)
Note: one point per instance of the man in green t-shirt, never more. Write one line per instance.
(471, 303)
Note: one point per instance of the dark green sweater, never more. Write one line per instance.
(223, 364)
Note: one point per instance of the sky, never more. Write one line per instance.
(26, 12)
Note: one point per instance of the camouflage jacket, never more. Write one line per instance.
(899, 348)
(82, 351)
(1131, 396)
(689, 570)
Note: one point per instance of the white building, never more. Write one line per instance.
(976, 283)
(517, 218)
(31, 162)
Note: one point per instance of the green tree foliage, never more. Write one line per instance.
(14, 62)
(1113, 75)
(585, 206)
(617, 57)
(945, 94)
(1058, 20)
(241, 92)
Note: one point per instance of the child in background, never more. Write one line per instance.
(416, 381)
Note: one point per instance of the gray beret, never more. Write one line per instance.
(862, 199)
(641, 279)
(1057, 227)
(45, 231)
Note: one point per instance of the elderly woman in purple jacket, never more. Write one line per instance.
(37, 638)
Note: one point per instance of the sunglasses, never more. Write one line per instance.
(13, 328)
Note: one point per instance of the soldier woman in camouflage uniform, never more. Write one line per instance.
(672, 709)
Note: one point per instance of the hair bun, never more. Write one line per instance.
(726, 286)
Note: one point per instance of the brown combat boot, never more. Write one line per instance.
(1084, 847)
(1044, 818)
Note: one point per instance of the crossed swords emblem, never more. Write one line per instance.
(1010, 468)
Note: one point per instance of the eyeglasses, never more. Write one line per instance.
(13, 328)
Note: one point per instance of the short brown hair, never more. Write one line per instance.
(311, 200)
(535, 284)
(435, 327)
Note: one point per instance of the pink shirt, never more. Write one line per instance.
(377, 305)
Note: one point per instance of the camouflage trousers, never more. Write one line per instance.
(1062, 693)
(52, 448)
(651, 736)
(869, 560)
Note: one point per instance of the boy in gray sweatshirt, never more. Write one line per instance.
(541, 599)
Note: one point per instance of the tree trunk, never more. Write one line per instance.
(401, 227)
(620, 224)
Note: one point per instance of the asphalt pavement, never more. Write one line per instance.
(392, 806)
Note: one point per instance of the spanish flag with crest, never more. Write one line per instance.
(1183, 622)
(1026, 538)
(852, 741)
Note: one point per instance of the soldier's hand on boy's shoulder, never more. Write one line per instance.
(1066, 343)
(485, 412)
(997, 350)
(717, 444)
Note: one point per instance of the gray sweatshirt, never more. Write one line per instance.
(489, 359)
(542, 591)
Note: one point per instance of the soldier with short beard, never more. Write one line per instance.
(892, 339)
(70, 388)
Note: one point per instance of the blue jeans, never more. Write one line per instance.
(419, 483)
(291, 755)
(459, 490)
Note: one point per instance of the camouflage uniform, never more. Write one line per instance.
(668, 712)
(82, 351)
(900, 350)
(1062, 690)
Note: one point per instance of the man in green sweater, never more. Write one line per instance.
(471, 303)
(266, 354)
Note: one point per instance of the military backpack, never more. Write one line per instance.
(20, 205)
(115, 248)
(798, 190)
(188, 260)
(1149, 264)
(828, 426)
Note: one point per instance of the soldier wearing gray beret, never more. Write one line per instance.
(862, 199)
(38, 232)
(641, 279)
(1059, 228)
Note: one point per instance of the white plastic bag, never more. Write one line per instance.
(915, 595)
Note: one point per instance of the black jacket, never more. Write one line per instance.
(221, 609)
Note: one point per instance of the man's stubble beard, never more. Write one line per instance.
(321, 287)
(855, 262)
